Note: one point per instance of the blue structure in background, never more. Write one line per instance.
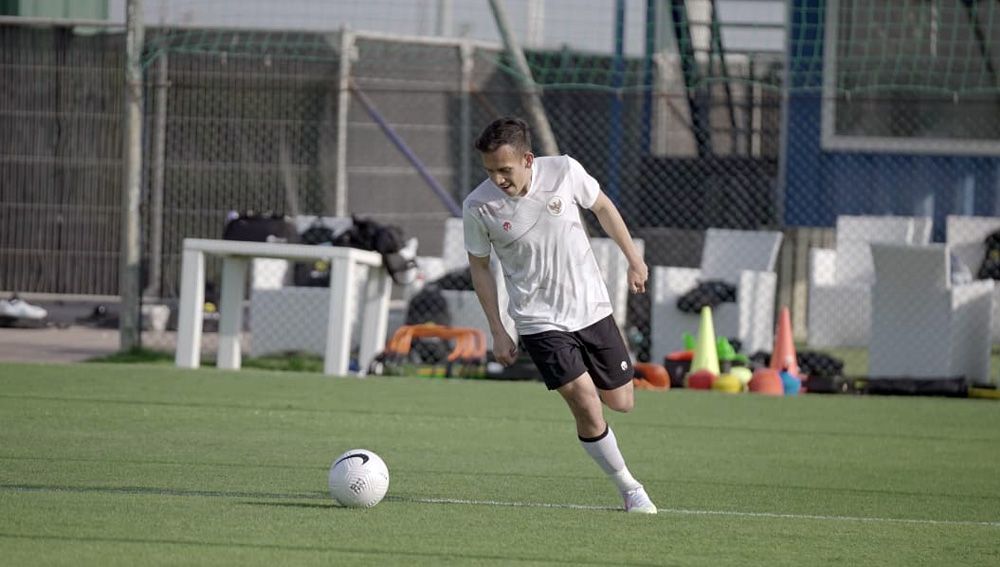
(820, 184)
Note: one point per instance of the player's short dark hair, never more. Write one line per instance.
(505, 131)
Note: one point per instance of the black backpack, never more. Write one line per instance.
(386, 239)
(708, 293)
(364, 234)
(318, 233)
(260, 228)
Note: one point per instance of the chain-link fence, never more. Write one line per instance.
(798, 160)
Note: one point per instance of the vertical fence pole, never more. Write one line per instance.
(343, 106)
(783, 133)
(128, 280)
(647, 77)
(156, 181)
(617, 104)
(465, 121)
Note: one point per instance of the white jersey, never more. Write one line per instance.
(551, 275)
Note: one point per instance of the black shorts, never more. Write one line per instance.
(562, 357)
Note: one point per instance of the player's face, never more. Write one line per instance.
(509, 169)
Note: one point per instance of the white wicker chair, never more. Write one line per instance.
(923, 326)
(964, 236)
(840, 280)
(744, 258)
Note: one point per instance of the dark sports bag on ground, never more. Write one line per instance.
(429, 306)
(990, 268)
(824, 373)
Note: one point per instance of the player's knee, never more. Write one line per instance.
(590, 427)
(624, 404)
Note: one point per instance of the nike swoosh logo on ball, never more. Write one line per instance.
(362, 456)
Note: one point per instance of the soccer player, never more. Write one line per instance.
(528, 212)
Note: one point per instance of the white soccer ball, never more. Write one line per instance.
(358, 479)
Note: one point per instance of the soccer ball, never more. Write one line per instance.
(358, 479)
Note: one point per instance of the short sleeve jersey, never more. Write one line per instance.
(549, 269)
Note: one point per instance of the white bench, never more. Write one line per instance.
(235, 259)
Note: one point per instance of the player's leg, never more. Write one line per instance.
(560, 359)
(585, 404)
(610, 370)
(620, 399)
(599, 441)
(610, 364)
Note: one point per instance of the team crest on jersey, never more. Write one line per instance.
(506, 226)
(555, 206)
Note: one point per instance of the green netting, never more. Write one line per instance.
(307, 46)
(918, 46)
(575, 70)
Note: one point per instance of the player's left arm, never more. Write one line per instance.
(614, 225)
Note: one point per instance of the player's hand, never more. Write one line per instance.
(637, 276)
(504, 348)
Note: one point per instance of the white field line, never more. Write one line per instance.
(568, 506)
(687, 512)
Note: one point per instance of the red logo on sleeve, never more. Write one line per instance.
(506, 226)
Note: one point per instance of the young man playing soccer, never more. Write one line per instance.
(528, 212)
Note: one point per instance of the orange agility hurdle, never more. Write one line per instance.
(470, 343)
(468, 349)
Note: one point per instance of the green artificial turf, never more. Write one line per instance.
(122, 464)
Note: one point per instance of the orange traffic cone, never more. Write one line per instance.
(783, 357)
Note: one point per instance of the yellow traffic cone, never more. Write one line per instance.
(706, 357)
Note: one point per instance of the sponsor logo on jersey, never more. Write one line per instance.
(624, 366)
(506, 226)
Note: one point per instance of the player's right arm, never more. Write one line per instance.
(504, 349)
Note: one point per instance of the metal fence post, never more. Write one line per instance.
(156, 181)
(128, 326)
(466, 53)
(343, 102)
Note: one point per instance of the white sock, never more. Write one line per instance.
(604, 450)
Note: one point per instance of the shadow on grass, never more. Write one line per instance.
(159, 491)
(294, 504)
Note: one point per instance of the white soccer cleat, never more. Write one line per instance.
(19, 309)
(638, 502)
